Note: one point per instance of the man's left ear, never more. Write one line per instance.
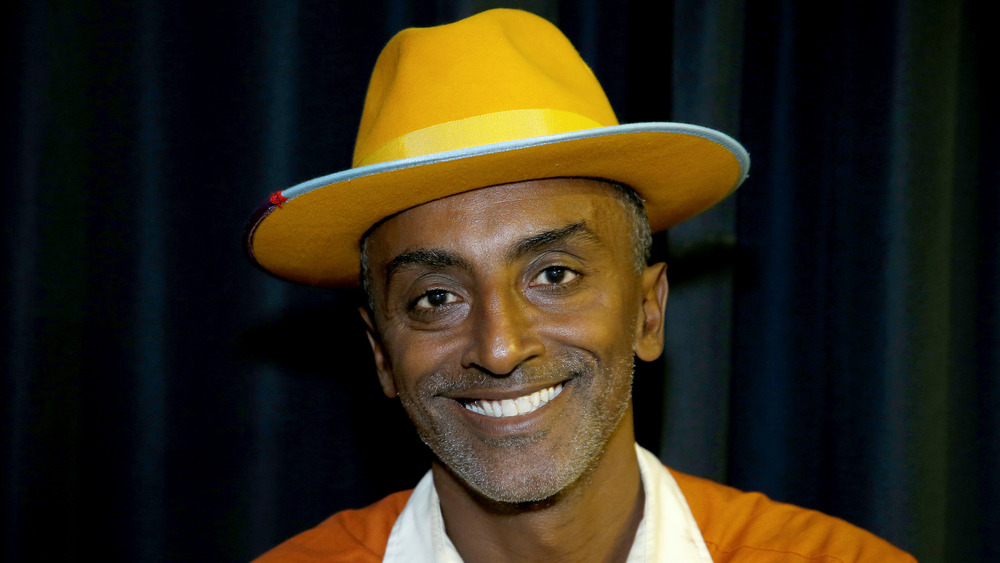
(648, 343)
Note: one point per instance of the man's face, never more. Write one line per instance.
(506, 320)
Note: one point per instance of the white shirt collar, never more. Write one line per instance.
(668, 531)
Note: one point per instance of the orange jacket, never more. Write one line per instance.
(737, 527)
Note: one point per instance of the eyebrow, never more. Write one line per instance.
(578, 230)
(426, 257)
(436, 258)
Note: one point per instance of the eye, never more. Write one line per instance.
(433, 299)
(555, 275)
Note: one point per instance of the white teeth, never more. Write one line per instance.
(509, 407)
(523, 404)
(514, 407)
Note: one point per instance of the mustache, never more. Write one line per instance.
(525, 375)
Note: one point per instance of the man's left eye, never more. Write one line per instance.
(555, 275)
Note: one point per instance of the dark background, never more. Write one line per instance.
(834, 328)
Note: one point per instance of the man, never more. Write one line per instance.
(497, 216)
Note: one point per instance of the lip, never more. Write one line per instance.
(495, 394)
(510, 425)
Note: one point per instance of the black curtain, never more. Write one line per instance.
(833, 328)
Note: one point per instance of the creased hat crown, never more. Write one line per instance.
(486, 70)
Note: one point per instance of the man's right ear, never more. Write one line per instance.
(383, 367)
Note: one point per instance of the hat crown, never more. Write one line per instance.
(497, 61)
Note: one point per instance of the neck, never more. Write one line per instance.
(595, 519)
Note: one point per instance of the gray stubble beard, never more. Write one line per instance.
(510, 482)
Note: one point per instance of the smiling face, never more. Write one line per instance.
(507, 319)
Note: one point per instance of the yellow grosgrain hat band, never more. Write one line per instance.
(480, 130)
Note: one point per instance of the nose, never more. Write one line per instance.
(503, 334)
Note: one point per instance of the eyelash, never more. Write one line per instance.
(428, 295)
(450, 298)
(558, 270)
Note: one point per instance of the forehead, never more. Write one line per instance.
(491, 218)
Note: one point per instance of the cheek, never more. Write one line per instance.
(604, 322)
(416, 356)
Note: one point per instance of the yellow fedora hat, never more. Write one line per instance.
(496, 98)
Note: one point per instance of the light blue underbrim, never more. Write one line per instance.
(712, 135)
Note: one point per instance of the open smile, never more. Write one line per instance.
(514, 407)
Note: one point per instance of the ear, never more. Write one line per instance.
(382, 364)
(648, 342)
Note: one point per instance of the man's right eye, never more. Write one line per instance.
(433, 299)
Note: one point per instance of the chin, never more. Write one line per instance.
(513, 483)
(521, 470)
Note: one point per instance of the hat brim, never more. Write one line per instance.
(313, 237)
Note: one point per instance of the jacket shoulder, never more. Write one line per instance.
(743, 527)
(352, 535)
